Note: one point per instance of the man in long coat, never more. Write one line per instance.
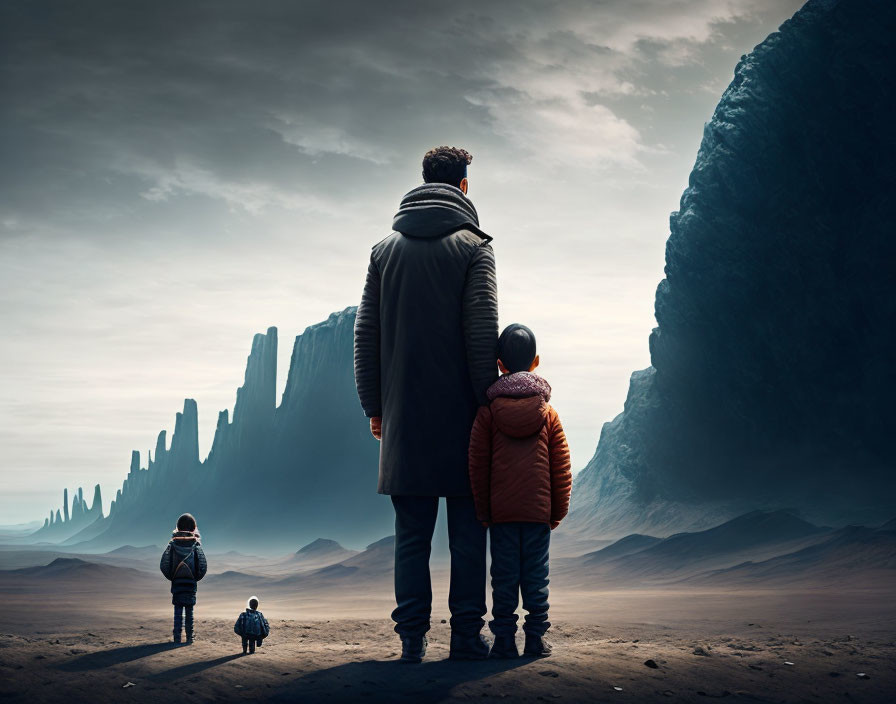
(425, 353)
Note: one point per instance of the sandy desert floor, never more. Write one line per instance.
(774, 646)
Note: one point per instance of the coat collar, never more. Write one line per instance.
(435, 210)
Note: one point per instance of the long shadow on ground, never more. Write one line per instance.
(389, 681)
(116, 656)
(193, 668)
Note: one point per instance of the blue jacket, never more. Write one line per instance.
(247, 626)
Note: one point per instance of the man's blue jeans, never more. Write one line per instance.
(519, 565)
(415, 520)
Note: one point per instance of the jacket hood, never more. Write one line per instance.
(185, 537)
(519, 417)
(436, 210)
(519, 403)
(520, 385)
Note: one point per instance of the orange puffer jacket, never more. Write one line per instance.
(519, 459)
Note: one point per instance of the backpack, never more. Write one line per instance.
(183, 569)
(254, 625)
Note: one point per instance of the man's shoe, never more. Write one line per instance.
(413, 648)
(177, 636)
(536, 646)
(504, 647)
(190, 638)
(468, 647)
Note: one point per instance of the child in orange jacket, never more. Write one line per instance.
(521, 480)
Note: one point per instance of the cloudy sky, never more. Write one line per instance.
(178, 176)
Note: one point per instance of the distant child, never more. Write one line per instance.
(521, 480)
(184, 564)
(252, 626)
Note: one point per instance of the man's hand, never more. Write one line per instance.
(376, 427)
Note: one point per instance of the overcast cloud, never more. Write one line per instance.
(178, 176)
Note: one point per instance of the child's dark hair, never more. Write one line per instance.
(516, 348)
(186, 522)
(253, 603)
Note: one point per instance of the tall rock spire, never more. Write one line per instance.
(283, 453)
(256, 399)
(97, 506)
(221, 433)
(65, 503)
(185, 441)
(161, 447)
(322, 351)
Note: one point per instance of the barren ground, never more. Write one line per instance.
(81, 646)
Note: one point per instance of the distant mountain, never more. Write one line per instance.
(751, 530)
(854, 556)
(373, 563)
(235, 580)
(129, 551)
(756, 536)
(377, 558)
(771, 382)
(321, 546)
(320, 553)
(275, 476)
(70, 569)
(628, 545)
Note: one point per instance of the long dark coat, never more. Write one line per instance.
(425, 341)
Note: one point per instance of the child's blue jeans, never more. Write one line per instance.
(519, 565)
(179, 620)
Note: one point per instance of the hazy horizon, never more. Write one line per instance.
(179, 178)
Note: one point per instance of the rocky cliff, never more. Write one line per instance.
(276, 476)
(771, 382)
(60, 526)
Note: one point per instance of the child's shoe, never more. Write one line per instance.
(536, 646)
(504, 647)
(251, 647)
(245, 648)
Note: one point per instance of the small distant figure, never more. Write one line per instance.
(184, 564)
(252, 626)
(521, 478)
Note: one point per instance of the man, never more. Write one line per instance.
(425, 352)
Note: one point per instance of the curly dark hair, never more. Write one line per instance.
(446, 165)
